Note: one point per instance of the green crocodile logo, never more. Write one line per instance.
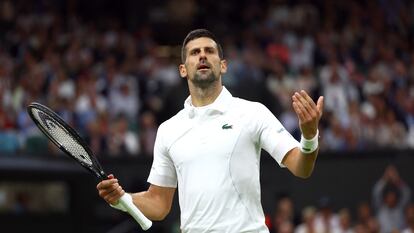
(227, 126)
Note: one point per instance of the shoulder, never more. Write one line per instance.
(252, 108)
(173, 122)
(172, 129)
(247, 104)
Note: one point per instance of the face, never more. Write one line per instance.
(391, 199)
(409, 213)
(364, 211)
(203, 65)
(285, 206)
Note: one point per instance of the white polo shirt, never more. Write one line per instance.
(213, 153)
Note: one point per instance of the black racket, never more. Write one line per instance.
(69, 141)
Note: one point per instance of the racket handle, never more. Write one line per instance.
(129, 206)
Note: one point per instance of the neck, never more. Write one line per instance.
(202, 96)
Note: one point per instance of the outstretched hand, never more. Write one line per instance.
(308, 113)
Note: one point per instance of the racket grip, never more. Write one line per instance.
(129, 206)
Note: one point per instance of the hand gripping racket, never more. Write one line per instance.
(69, 141)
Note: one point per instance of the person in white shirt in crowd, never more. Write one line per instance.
(390, 196)
(345, 221)
(308, 222)
(326, 218)
(211, 149)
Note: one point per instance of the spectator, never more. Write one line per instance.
(365, 217)
(326, 218)
(122, 140)
(285, 227)
(309, 224)
(123, 97)
(409, 218)
(360, 228)
(390, 197)
(148, 132)
(284, 215)
(373, 226)
(345, 222)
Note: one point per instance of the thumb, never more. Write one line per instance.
(319, 105)
(111, 176)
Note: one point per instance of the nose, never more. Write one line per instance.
(202, 55)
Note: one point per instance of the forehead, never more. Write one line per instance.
(201, 42)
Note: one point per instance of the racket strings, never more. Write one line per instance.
(61, 136)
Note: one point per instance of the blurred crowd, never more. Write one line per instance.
(389, 212)
(115, 80)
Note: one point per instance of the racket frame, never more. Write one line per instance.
(95, 168)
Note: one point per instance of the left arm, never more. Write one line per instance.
(301, 164)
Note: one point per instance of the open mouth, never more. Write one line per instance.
(203, 67)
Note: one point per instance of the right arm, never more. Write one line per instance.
(155, 203)
(405, 195)
(390, 176)
(377, 193)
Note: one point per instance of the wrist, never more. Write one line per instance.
(308, 146)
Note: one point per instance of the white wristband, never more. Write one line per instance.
(119, 206)
(308, 146)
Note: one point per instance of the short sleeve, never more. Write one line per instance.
(163, 171)
(272, 135)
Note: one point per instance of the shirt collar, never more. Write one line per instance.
(220, 104)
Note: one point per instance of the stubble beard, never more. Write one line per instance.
(204, 80)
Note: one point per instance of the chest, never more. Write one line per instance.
(208, 140)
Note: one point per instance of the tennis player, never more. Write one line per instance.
(210, 150)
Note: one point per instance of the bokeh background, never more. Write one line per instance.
(109, 68)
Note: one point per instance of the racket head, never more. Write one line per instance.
(65, 137)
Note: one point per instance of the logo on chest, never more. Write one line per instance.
(227, 126)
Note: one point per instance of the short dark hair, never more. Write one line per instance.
(391, 188)
(195, 34)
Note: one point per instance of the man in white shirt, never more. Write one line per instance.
(211, 149)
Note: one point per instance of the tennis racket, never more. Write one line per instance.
(69, 141)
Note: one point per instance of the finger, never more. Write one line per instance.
(112, 194)
(113, 197)
(302, 102)
(106, 183)
(308, 99)
(301, 108)
(299, 112)
(105, 192)
(111, 176)
(320, 105)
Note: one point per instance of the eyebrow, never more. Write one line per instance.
(206, 47)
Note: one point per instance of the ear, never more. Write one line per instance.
(183, 71)
(223, 66)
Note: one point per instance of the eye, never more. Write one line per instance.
(194, 52)
(210, 50)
